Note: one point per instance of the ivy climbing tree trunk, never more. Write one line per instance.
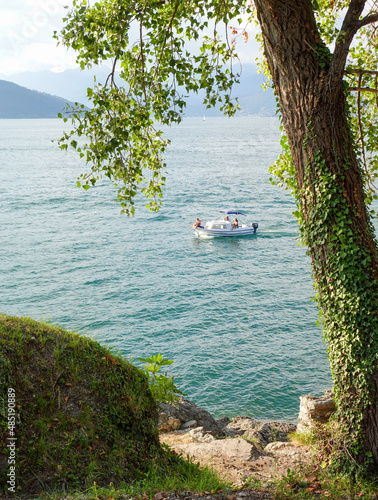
(335, 223)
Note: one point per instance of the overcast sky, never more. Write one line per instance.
(26, 30)
(26, 43)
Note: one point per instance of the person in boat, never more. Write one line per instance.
(197, 223)
(235, 224)
(226, 218)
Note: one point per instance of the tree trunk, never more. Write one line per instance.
(335, 222)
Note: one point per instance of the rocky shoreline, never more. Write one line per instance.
(242, 447)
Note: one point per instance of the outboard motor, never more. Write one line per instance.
(255, 226)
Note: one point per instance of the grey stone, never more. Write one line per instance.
(315, 409)
(240, 425)
(184, 411)
(189, 425)
(200, 436)
(168, 423)
(262, 432)
(222, 422)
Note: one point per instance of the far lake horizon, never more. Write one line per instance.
(235, 314)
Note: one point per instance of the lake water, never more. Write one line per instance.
(234, 314)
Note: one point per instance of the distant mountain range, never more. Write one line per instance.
(18, 100)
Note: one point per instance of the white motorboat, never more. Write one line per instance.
(224, 227)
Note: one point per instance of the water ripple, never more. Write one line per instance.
(234, 314)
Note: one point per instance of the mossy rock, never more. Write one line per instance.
(83, 414)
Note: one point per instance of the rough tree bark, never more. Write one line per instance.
(312, 101)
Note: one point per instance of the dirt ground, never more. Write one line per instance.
(264, 465)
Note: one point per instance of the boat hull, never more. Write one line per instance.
(219, 233)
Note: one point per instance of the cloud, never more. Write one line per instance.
(27, 44)
(37, 57)
(26, 37)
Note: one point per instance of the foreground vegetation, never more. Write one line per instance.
(85, 418)
(86, 428)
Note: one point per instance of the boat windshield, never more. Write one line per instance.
(232, 212)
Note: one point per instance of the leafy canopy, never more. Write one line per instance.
(148, 41)
(161, 51)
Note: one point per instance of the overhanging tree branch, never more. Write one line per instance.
(371, 18)
(349, 28)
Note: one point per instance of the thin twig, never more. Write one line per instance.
(56, 380)
(363, 89)
(142, 57)
(168, 32)
(111, 74)
(360, 122)
(37, 478)
(358, 71)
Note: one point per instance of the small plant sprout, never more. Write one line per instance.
(162, 386)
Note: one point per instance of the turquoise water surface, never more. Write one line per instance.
(234, 314)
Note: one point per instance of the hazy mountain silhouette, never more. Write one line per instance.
(20, 102)
(73, 83)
